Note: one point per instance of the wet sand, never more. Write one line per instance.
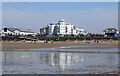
(29, 45)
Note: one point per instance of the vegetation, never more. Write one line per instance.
(70, 38)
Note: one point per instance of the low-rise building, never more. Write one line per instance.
(111, 32)
(61, 28)
(17, 32)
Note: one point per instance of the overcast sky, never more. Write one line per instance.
(92, 16)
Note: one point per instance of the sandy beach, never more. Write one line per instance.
(29, 45)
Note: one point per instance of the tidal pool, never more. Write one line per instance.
(36, 62)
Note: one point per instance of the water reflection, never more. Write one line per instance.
(59, 60)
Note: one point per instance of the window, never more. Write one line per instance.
(113, 30)
(106, 30)
(5, 29)
(10, 33)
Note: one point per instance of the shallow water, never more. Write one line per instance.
(36, 62)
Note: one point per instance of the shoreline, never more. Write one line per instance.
(98, 52)
(92, 47)
(29, 45)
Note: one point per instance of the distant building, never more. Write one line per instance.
(17, 32)
(61, 28)
(111, 32)
(44, 31)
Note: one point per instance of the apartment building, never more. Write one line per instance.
(61, 28)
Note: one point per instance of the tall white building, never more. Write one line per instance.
(61, 28)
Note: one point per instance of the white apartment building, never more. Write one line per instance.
(62, 28)
(15, 31)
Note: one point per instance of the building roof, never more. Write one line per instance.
(58, 23)
(52, 23)
(21, 30)
(61, 20)
(11, 29)
(110, 29)
(44, 27)
(26, 30)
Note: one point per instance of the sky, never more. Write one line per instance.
(94, 17)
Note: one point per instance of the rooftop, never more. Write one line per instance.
(110, 29)
(21, 30)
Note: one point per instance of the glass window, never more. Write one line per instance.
(113, 30)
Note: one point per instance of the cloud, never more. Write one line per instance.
(92, 20)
